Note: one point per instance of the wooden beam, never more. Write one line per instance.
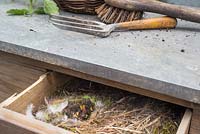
(16, 123)
(8, 128)
(195, 122)
(185, 123)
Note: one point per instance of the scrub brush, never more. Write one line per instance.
(106, 13)
(176, 11)
(110, 14)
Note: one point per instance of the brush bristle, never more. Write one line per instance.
(109, 14)
(105, 12)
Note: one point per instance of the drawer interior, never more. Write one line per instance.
(45, 86)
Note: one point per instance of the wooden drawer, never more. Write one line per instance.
(13, 120)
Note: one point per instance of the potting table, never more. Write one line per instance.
(163, 64)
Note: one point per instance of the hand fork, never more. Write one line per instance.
(100, 29)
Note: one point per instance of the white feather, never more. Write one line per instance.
(41, 115)
(55, 108)
(29, 111)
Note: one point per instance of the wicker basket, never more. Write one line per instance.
(79, 6)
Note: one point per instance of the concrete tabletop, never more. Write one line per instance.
(162, 61)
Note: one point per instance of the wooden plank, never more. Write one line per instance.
(8, 100)
(195, 122)
(8, 128)
(4, 96)
(19, 72)
(15, 77)
(11, 68)
(185, 123)
(100, 80)
(34, 94)
(5, 57)
(15, 72)
(19, 82)
(15, 123)
(9, 87)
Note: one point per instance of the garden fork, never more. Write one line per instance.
(100, 29)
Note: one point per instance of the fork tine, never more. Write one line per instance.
(65, 22)
(100, 33)
(78, 25)
(72, 19)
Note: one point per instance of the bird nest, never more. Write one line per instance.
(84, 107)
(79, 6)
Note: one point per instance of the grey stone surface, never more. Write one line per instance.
(163, 61)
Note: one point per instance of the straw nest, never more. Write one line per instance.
(86, 107)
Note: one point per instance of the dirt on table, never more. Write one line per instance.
(85, 107)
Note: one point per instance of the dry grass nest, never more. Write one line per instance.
(90, 108)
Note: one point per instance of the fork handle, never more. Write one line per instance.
(176, 11)
(152, 23)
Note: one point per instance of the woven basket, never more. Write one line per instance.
(79, 6)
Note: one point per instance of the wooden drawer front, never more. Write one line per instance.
(13, 120)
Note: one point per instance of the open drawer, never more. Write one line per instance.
(12, 111)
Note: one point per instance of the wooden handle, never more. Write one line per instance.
(153, 23)
(182, 12)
